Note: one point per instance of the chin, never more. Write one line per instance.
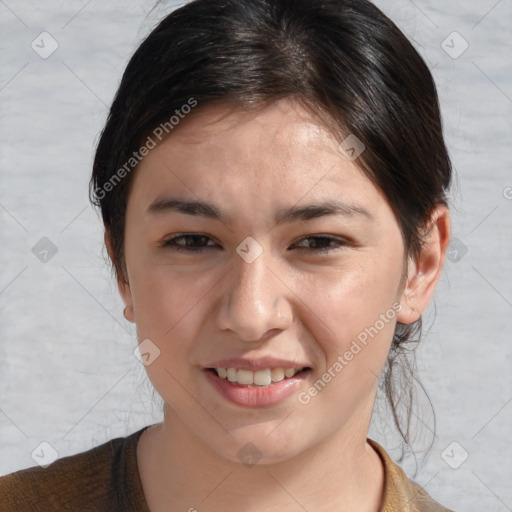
(256, 446)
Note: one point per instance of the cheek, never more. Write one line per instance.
(361, 308)
(358, 306)
(168, 311)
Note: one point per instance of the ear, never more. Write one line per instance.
(124, 288)
(424, 273)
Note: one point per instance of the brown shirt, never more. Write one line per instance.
(106, 479)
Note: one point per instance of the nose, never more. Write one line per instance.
(254, 301)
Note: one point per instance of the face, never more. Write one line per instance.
(289, 258)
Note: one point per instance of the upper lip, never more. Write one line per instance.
(261, 363)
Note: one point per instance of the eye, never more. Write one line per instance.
(321, 244)
(192, 243)
(196, 243)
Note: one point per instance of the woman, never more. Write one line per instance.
(272, 179)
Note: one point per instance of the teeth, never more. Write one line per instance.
(245, 377)
(257, 378)
(289, 372)
(277, 374)
(262, 377)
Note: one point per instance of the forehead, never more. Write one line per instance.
(282, 131)
(281, 153)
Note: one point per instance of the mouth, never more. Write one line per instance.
(263, 378)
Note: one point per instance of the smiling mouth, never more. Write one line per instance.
(259, 378)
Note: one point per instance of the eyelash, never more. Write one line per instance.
(170, 243)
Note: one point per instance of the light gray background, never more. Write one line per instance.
(67, 373)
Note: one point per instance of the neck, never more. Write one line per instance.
(180, 473)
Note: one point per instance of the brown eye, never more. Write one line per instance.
(323, 244)
(188, 243)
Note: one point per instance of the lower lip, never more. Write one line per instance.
(256, 396)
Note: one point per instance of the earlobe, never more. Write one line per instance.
(424, 273)
(129, 314)
(124, 288)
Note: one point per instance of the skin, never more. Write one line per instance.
(291, 302)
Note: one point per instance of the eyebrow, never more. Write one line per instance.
(283, 215)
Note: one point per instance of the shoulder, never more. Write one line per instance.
(94, 480)
(401, 493)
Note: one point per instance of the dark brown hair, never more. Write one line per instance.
(344, 60)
